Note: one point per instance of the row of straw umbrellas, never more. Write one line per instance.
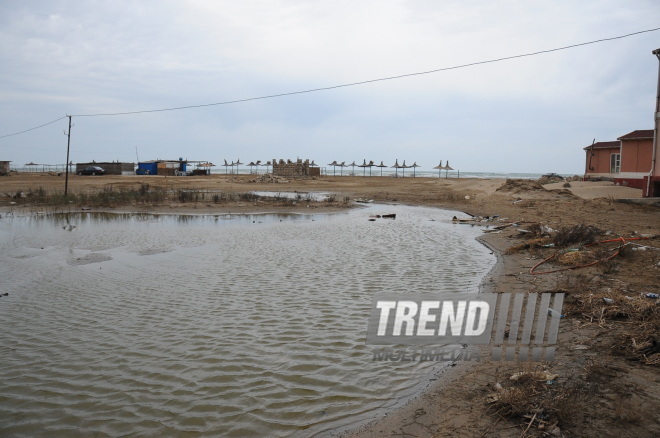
(334, 164)
(396, 167)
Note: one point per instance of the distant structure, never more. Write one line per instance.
(113, 168)
(626, 161)
(299, 169)
(162, 167)
(4, 168)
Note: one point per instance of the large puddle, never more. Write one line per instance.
(229, 325)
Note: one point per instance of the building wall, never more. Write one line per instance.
(636, 155)
(598, 164)
(114, 168)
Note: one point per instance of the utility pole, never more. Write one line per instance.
(656, 118)
(68, 144)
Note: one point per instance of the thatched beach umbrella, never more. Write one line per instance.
(404, 167)
(447, 169)
(251, 165)
(237, 163)
(353, 168)
(439, 167)
(227, 165)
(364, 166)
(396, 167)
(414, 166)
(334, 165)
(381, 165)
(341, 168)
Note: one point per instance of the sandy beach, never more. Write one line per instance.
(608, 353)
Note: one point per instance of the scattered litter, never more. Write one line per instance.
(581, 347)
(553, 312)
(608, 300)
(652, 295)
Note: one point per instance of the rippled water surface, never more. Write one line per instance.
(254, 325)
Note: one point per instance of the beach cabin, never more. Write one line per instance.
(162, 167)
(626, 161)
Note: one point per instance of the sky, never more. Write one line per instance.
(530, 114)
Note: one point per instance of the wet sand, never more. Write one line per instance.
(624, 391)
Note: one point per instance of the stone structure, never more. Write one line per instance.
(297, 169)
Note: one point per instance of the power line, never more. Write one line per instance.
(352, 84)
(32, 129)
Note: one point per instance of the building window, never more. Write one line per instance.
(615, 163)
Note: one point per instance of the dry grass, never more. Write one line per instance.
(639, 314)
(576, 235)
(545, 404)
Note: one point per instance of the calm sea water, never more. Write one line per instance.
(253, 325)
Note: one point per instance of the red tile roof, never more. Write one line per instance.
(637, 135)
(604, 145)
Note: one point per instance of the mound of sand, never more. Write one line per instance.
(520, 185)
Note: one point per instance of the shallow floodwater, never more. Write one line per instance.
(252, 325)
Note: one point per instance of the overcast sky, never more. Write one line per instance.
(531, 114)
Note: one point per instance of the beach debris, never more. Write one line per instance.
(553, 312)
(652, 295)
(364, 201)
(608, 300)
(373, 217)
(535, 375)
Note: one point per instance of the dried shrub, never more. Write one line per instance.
(578, 234)
(543, 404)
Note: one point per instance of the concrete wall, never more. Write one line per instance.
(636, 155)
(599, 161)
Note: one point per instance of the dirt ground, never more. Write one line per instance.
(608, 353)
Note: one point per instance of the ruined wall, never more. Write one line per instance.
(290, 169)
